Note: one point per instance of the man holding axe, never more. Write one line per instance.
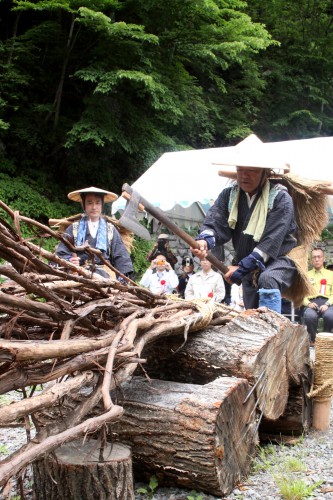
(257, 214)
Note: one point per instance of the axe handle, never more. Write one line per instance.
(164, 219)
(127, 197)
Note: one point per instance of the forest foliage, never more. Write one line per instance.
(94, 91)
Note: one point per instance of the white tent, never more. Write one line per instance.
(186, 183)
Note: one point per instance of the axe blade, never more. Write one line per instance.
(129, 220)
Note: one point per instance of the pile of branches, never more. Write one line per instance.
(81, 335)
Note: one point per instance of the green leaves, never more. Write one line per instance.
(93, 92)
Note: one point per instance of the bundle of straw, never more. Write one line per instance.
(310, 202)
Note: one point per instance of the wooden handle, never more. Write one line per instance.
(164, 219)
(127, 197)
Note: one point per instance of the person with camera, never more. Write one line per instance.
(162, 247)
(160, 278)
(188, 270)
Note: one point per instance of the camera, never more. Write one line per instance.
(161, 244)
(160, 262)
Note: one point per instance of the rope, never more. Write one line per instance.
(206, 307)
(323, 376)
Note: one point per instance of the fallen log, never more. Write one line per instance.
(296, 419)
(198, 437)
(255, 345)
(77, 470)
(298, 356)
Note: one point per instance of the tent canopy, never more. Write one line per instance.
(186, 183)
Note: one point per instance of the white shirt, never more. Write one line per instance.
(201, 284)
(160, 282)
(93, 227)
(237, 297)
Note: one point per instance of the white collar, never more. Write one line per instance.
(93, 227)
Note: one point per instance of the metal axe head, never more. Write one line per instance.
(129, 220)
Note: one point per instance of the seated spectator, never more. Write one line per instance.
(160, 278)
(162, 247)
(205, 283)
(319, 305)
(188, 270)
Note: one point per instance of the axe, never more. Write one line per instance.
(129, 221)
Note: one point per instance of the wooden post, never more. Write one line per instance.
(75, 471)
(323, 381)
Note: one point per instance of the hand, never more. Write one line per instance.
(153, 264)
(228, 275)
(168, 266)
(323, 308)
(202, 249)
(74, 259)
(312, 305)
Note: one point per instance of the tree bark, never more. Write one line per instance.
(253, 346)
(76, 472)
(296, 419)
(198, 437)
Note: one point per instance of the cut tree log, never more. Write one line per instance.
(259, 345)
(76, 471)
(296, 419)
(198, 437)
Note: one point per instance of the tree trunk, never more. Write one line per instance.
(253, 346)
(76, 472)
(198, 437)
(295, 421)
(298, 356)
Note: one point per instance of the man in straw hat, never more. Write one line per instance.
(94, 229)
(258, 216)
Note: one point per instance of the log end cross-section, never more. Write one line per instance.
(198, 437)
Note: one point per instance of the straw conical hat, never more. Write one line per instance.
(76, 195)
(253, 153)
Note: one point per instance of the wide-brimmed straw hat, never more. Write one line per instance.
(252, 153)
(76, 195)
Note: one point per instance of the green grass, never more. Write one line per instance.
(150, 489)
(266, 458)
(287, 467)
(3, 450)
(194, 495)
(4, 400)
(294, 464)
(295, 488)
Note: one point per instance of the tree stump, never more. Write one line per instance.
(259, 346)
(76, 472)
(198, 437)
